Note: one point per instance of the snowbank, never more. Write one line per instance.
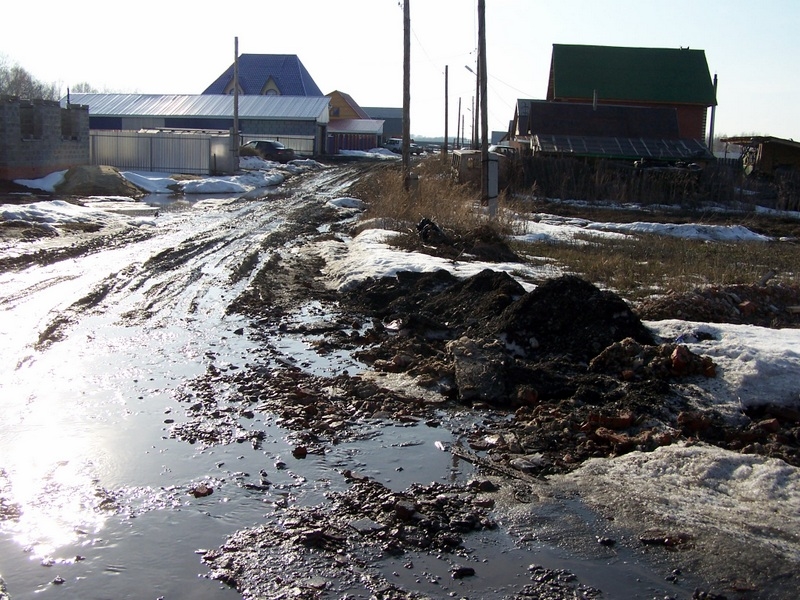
(752, 498)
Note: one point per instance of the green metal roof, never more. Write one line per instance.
(665, 75)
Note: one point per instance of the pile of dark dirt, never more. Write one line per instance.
(776, 305)
(569, 316)
(581, 373)
(89, 180)
(480, 243)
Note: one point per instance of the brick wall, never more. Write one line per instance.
(38, 137)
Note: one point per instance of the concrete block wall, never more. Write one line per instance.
(38, 137)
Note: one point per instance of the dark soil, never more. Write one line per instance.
(558, 375)
(562, 374)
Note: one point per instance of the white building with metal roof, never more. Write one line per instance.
(193, 133)
(287, 118)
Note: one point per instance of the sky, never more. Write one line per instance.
(356, 47)
(697, 485)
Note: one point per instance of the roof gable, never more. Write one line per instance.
(283, 72)
(340, 100)
(662, 75)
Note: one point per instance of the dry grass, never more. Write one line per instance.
(639, 267)
(635, 267)
(434, 195)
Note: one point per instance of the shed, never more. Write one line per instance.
(767, 155)
(350, 126)
(656, 77)
(354, 134)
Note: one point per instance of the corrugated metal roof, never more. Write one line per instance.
(373, 126)
(255, 70)
(377, 112)
(620, 148)
(203, 105)
(669, 75)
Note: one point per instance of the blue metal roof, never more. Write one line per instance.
(255, 70)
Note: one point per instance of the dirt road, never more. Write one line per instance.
(191, 411)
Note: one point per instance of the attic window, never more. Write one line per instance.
(270, 88)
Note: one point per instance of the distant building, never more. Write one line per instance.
(392, 120)
(267, 75)
(350, 127)
(38, 137)
(258, 115)
(645, 77)
(125, 127)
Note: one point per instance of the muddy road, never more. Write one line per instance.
(188, 412)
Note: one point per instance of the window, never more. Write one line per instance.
(70, 124)
(30, 122)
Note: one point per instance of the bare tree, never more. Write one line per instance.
(84, 87)
(16, 81)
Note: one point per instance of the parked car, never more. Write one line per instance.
(271, 150)
(396, 146)
(505, 150)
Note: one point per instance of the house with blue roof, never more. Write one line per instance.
(267, 75)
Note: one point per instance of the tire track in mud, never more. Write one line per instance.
(231, 242)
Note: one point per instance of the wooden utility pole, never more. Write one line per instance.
(406, 93)
(444, 149)
(484, 105)
(459, 133)
(235, 133)
(713, 113)
(474, 138)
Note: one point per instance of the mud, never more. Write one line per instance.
(561, 374)
(553, 377)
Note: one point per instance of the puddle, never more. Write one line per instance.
(303, 342)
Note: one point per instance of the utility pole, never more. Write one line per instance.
(484, 110)
(459, 133)
(235, 134)
(713, 113)
(406, 93)
(444, 150)
(477, 129)
(474, 138)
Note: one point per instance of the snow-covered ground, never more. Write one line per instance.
(698, 485)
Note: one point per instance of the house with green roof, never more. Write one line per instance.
(645, 77)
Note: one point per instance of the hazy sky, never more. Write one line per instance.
(356, 46)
